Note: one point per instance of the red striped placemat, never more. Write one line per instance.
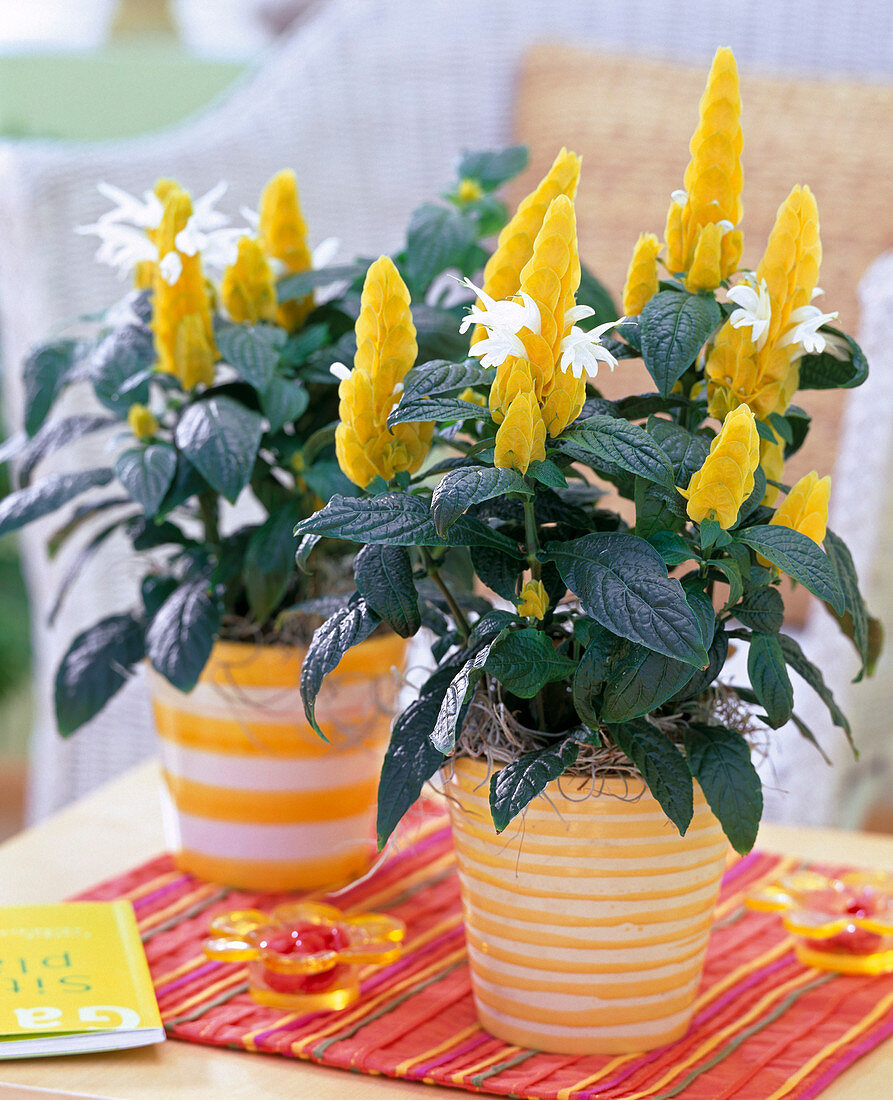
(764, 1026)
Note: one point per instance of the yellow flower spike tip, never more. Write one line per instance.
(805, 508)
(533, 600)
(713, 178)
(706, 264)
(790, 264)
(195, 352)
(514, 246)
(725, 480)
(521, 438)
(142, 423)
(642, 277)
(469, 190)
(386, 350)
(247, 290)
(282, 233)
(474, 397)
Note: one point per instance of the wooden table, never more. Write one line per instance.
(120, 826)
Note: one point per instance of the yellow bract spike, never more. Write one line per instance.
(805, 508)
(725, 480)
(521, 438)
(247, 290)
(142, 422)
(386, 350)
(790, 264)
(282, 234)
(533, 600)
(195, 352)
(514, 246)
(642, 277)
(705, 272)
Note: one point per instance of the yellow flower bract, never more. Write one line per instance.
(533, 600)
(282, 234)
(726, 480)
(642, 277)
(142, 422)
(521, 438)
(247, 290)
(805, 508)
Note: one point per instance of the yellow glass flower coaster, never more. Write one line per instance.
(843, 924)
(306, 956)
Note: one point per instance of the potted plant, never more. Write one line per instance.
(213, 393)
(592, 756)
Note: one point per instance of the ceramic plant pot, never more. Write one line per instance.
(587, 919)
(259, 800)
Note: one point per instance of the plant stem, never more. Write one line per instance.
(531, 539)
(458, 615)
(207, 506)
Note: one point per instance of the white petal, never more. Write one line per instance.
(577, 313)
(206, 217)
(340, 371)
(744, 296)
(171, 268)
(325, 252)
(250, 216)
(680, 197)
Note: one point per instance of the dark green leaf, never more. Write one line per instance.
(799, 422)
(187, 483)
(640, 680)
(732, 573)
(673, 549)
(654, 513)
(525, 661)
(491, 170)
(283, 402)
(438, 238)
(842, 561)
(712, 534)
(440, 378)
(801, 664)
(251, 350)
(622, 582)
(701, 604)
(781, 426)
(439, 409)
(498, 571)
(326, 478)
(762, 609)
(46, 496)
(718, 651)
(719, 759)
(81, 514)
(827, 372)
(349, 626)
(489, 625)
(44, 376)
(749, 510)
(798, 556)
(303, 283)
(515, 786)
(220, 437)
(146, 473)
(674, 327)
(305, 548)
(122, 366)
(437, 333)
(303, 343)
(662, 765)
(154, 590)
(181, 635)
(269, 563)
(547, 473)
(96, 666)
(686, 450)
(591, 292)
(593, 670)
(769, 678)
(606, 439)
(55, 434)
(383, 576)
(461, 488)
(455, 700)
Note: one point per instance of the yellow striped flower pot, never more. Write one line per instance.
(260, 800)
(587, 919)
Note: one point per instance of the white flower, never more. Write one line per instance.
(250, 216)
(680, 197)
(171, 268)
(145, 214)
(121, 246)
(755, 310)
(340, 371)
(803, 331)
(203, 212)
(581, 352)
(503, 321)
(325, 252)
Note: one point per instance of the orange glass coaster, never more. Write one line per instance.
(843, 924)
(305, 956)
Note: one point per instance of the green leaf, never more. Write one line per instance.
(437, 239)
(640, 680)
(712, 534)
(698, 600)
(76, 565)
(436, 409)
(674, 327)
(799, 422)
(717, 651)
(592, 671)
(437, 333)
(251, 350)
(440, 378)
(154, 590)
(461, 488)
(842, 560)
(686, 450)
(146, 473)
(622, 582)
(269, 563)
(732, 573)
(619, 443)
(46, 496)
(303, 283)
(52, 436)
(801, 664)
(654, 513)
(220, 437)
(673, 549)
(525, 661)
(304, 550)
(490, 624)
(181, 635)
(781, 426)
(121, 367)
(349, 626)
(383, 576)
(798, 556)
(283, 402)
(662, 765)
(95, 667)
(298, 347)
(769, 678)
(827, 372)
(762, 609)
(747, 696)
(457, 694)
(719, 759)
(593, 293)
(491, 170)
(497, 570)
(44, 375)
(752, 504)
(515, 786)
(547, 473)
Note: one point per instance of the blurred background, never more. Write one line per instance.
(371, 101)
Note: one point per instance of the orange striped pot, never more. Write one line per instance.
(260, 801)
(587, 919)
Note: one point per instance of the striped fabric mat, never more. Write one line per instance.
(764, 1026)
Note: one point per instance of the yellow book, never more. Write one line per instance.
(74, 978)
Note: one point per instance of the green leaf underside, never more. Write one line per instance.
(827, 372)
(46, 496)
(146, 473)
(181, 635)
(383, 576)
(719, 759)
(443, 734)
(52, 436)
(348, 627)
(675, 327)
(798, 556)
(95, 667)
(622, 582)
(220, 437)
(622, 444)
(459, 489)
(662, 765)
(769, 678)
(525, 661)
(515, 786)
